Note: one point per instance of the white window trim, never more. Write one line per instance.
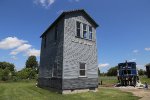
(53, 76)
(86, 30)
(90, 32)
(82, 69)
(78, 28)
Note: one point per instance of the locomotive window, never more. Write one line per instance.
(127, 72)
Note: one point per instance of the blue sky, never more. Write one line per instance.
(123, 33)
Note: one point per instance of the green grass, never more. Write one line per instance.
(111, 80)
(145, 79)
(108, 80)
(28, 91)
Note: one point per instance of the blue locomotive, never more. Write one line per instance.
(127, 74)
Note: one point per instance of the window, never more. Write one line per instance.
(82, 69)
(56, 32)
(45, 41)
(84, 31)
(54, 70)
(127, 72)
(78, 29)
(87, 31)
(90, 33)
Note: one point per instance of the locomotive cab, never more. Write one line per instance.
(127, 74)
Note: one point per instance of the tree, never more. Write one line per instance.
(6, 74)
(147, 68)
(148, 64)
(32, 62)
(9, 66)
(7, 71)
(27, 73)
(112, 71)
(1, 73)
(141, 72)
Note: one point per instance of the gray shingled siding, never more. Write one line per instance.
(68, 52)
(78, 50)
(53, 53)
(50, 83)
(79, 83)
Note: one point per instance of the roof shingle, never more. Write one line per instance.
(68, 12)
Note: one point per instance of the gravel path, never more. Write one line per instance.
(145, 94)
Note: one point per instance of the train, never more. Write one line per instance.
(127, 74)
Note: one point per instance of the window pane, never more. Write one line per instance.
(90, 36)
(78, 29)
(90, 29)
(82, 66)
(55, 70)
(84, 26)
(78, 32)
(78, 24)
(84, 31)
(55, 73)
(82, 72)
(84, 34)
(125, 72)
(90, 33)
(129, 71)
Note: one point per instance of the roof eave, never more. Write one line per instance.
(53, 24)
(92, 20)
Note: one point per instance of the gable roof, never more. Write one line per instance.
(68, 12)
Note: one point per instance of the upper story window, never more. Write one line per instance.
(45, 41)
(84, 31)
(56, 32)
(78, 29)
(82, 70)
(90, 33)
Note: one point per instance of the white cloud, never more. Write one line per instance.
(14, 57)
(11, 42)
(73, 0)
(147, 49)
(135, 51)
(139, 66)
(18, 46)
(103, 65)
(44, 3)
(33, 52)
(132, 60)
(21, 48)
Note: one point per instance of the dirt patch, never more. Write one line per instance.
(145, 94)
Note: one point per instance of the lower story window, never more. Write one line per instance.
(82, 70)
(54, 70)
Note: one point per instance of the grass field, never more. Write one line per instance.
(145, 79)
(28, 91)
(110, 81)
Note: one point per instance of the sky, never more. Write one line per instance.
(123, 33)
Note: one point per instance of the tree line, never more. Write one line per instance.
(30, 71)
(113, 71)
